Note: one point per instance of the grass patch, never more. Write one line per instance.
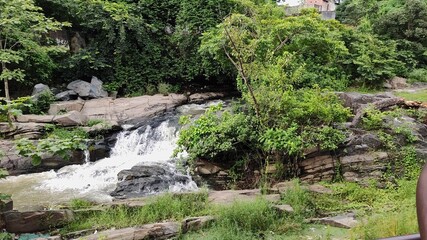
(382, 213)
(80, 204)
(165, 207)
(413, 96)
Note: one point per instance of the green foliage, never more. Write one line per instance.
(11, 109)
(160, 208)
(418, 75)
(254, 216)
(42, 104)
(398, 20)
(23, 37)
(300, 200)
(76, 204)
(216, 133)
(371, 60)
(373, 119)
(166, 88)
(420, 95)
(6, 236)
(134, 43)
(59, 142)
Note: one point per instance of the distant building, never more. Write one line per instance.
(290, 3)
(325, 7)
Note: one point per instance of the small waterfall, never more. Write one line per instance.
(149, 146)
(86, 153)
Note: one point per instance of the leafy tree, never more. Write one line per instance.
(23, 28)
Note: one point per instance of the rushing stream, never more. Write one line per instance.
(151, 144)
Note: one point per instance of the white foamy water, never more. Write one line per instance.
(94, 181)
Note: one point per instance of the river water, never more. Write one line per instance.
(150, 144)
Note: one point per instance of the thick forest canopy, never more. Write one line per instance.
(140, 43)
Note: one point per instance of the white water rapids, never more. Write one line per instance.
(94, 181)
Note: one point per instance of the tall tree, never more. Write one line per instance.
(23, 29)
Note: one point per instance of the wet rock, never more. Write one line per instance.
(341, 221)
(283, 208)
(66, 95)
(99, 150)
(164, 230)
(2, 222)
(16, 164)
(144, 180)
(196, 223)
(73, 118)
(28, 222)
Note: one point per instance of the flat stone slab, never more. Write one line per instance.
(230, 196)
(164, 230)
(341, 221)
(35, 118)
(284, 208)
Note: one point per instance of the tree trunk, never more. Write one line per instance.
(6, 82)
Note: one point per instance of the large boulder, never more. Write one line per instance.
(66, 95)
(96, 89)
(40, 89)
(81, 87)
(355, 100)
(88, 90)
(143, 180)
(36, 221)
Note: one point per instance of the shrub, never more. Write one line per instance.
(418, 75)
(42, 104)
(59, 142)
(166, 88)
(216, 133)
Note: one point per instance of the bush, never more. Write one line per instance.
(418, 75)
(216, 134)
(42, 104)
(59, 142)
(166, 88)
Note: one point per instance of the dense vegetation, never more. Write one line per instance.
(286, 68)
(136, 45)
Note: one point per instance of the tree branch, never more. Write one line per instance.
(240, 68)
